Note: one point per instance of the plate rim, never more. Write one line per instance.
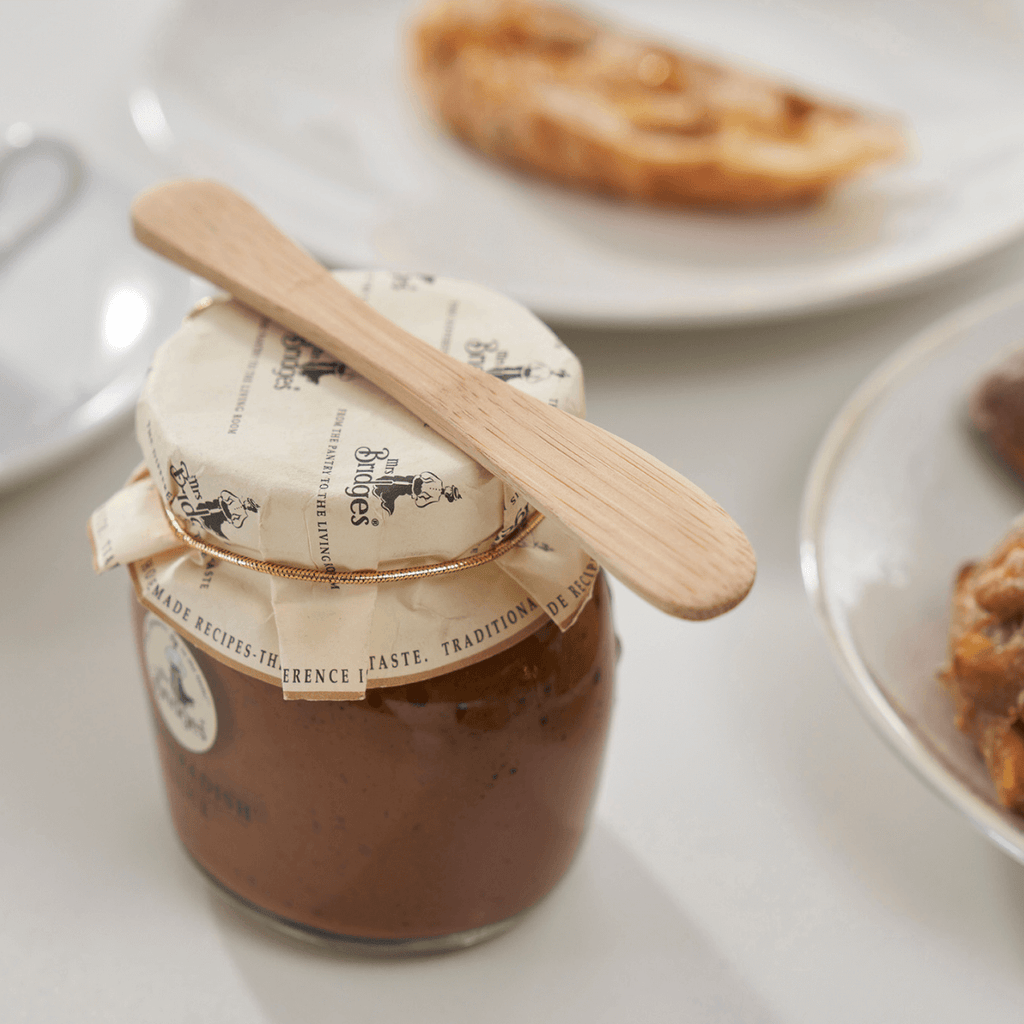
(28, 462)
(860, 682)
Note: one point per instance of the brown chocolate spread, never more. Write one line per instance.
(422, 810)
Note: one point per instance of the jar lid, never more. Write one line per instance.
(263, 446)
(273, 447)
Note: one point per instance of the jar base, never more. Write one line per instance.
(356, 944)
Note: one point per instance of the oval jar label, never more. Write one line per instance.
(179, 687)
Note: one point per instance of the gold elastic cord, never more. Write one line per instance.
(294, 572)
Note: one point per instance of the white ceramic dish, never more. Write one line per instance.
(82, 307)
(306, 108)
(903, 492)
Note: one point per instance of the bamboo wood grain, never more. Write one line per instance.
(646, 524)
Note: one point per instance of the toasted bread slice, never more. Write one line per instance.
(540, 87)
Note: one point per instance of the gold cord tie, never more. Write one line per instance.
(294, 572)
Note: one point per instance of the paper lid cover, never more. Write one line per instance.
(267, 447)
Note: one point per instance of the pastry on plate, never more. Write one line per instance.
(997, 410)
(541, 87)
(985, 667)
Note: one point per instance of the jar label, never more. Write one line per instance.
(178, 686)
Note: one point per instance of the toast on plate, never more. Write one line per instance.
(543, 88)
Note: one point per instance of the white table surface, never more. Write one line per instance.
(758, 854)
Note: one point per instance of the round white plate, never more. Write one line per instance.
(305, 106)
(901, 494)
(82, 307)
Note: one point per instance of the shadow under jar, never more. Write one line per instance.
(423, 817)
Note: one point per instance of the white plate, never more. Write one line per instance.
(305, 106)
(82, 307)
(901, 494)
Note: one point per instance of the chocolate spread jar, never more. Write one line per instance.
(380, 681)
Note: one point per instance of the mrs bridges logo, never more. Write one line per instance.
(481, 353)
(213, 514)
(376, 484)
(302, 360)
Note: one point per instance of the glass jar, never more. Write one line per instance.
(381, 680)
(423, 817)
